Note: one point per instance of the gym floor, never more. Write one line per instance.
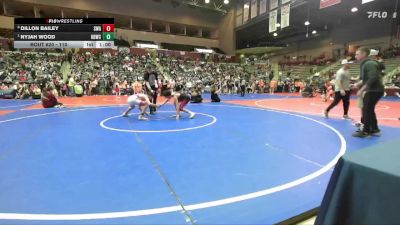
(260, 159)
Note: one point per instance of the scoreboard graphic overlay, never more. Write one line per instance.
(64, 33)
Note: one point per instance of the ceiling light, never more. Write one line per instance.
(278, 25)
(314, 32)
(226, 2)
(354, 9)
(307, 23)
(246, 6)
(275, 34)
(207, 1)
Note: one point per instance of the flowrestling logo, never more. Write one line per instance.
(379, 15)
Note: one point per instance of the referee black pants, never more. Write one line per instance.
(153, 99)
(368, 111)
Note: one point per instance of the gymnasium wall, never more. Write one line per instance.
(7, 22)
(355, 30)
(311, 47)
(141, 8)
(382, 42)
(226, 33)
(131, 35)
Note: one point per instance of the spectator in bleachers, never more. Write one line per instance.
(3, 86)
(36, 92)
(308, 91)
(23, 92)
(78, 90)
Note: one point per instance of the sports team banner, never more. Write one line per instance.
(253, 9)
(246, 12)
(272, 20)
(285, 15)
(327, 3)
(273, 4)
(263, 6)
(285, 1)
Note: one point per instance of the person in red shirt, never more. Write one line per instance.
(49, 100)
(117, 90)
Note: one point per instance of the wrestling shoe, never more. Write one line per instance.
(141, 117)
(360, 134)
(326, 114)
(376, 132)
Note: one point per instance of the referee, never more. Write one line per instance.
(151, 85)
(371, 90)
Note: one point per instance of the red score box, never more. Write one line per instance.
(108, 27)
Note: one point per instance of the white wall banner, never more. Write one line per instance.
(253, 9)
(273, 4)
(272, 20)
(263, 6)
(285, 15)
(246, 7)
(285, 1)
(366, 1)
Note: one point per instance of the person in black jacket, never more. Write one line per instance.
(151, 86)
(371, 90)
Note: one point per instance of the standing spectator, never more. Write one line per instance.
(102, 86)
(64, 89)
(261, 85)
(93, 86)
(242, 87)
(56, 83)
(71, 86)
(253, 86)
(273, 85)
(78, 90)
(372, 89)
(117, 90)
(342, 90)
(271, 76)
(137, 87)
(86, 86)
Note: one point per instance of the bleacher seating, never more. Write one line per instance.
(390, 65)
(301, 71)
